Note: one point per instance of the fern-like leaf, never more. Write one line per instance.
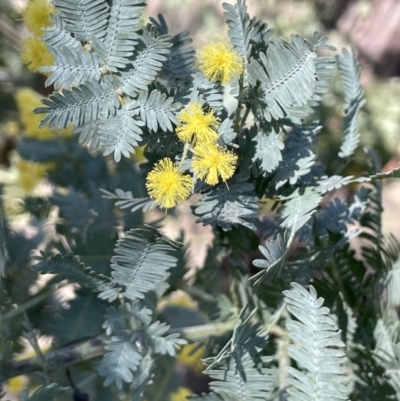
(143, 257)
(268, 150)
(226, 207)
(299, 208)
(69, 267)
(240, 27)
(239, 372)
(205, 91)
(79, 105)
(121, 37)
(120, 134)
(354, 100)
(119, 363)
(181, 59)
(72, 67)
(86, 19)
(317, 349)
(286, 75)
(156, 110)
(149, 59)
(57, 35)
(125, 200)
(164, 345)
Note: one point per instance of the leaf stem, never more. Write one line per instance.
(236, 125)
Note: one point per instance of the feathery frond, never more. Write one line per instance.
(120, 134)
(156, 110)
(317, 349)
(142, 259)
(354, 100)
(81, 105)
(240, 27)
(150, 56)
(86, 19)
(72, 67)
(226, 207)
(286, 76)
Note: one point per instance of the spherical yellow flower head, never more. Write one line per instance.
(181, 394)
(220, 62)
(212, 161)
(36, 15)
(35, 54)
(27, 100)
(191, 355)
(167, 185)
(31, 173)
(197, 126)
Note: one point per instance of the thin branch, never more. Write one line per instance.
(94, 347)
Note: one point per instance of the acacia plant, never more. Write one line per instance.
(307, 319)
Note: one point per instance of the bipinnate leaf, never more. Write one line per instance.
(142, 259)
(225, 206)
(69, 267)
(268, 150)
(240, 28)
(286, 74)
(316, 349)
(354, 100)
(299, 208)
(86, 19)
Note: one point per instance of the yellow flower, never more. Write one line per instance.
(193, 359)
(212, 161)
(31, 173)
(181, 394)
(197, 126)
(17, 383)
(36, 15)
(220, 62)
(35, 54)
(167, 185)
(27, 100)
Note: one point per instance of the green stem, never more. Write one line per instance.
(236, 125)
(27, 305)
(196, 292)
(94, 347)
(184, 154)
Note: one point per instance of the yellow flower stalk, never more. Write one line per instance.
(212, 161)
(220, 62)
(36, 15)
(35, 54)
(197, 126)
(31, 173)
(167, 185)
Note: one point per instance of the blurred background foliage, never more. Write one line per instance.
(370, 27)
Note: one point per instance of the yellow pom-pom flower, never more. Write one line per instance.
(35, 54)
(31, 173)
(196, 125)
(191, 355)
(27, 100)
(36, 15)
(181, 394)
(167, 185)
(220, 62)
(212, 161)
